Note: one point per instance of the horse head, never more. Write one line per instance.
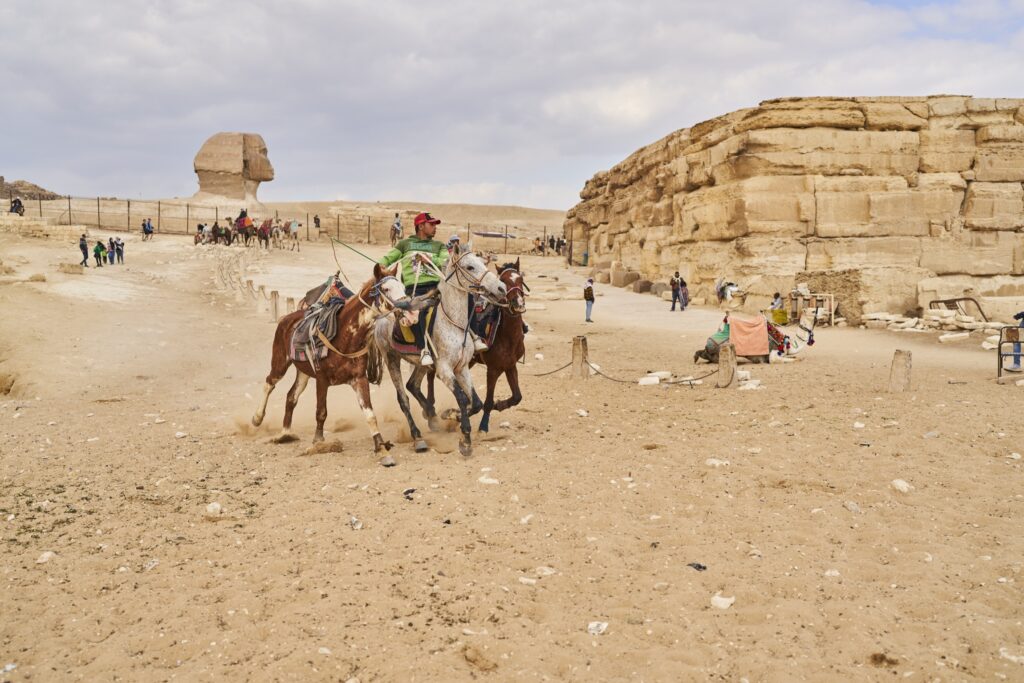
(470, 272)
(515, 287)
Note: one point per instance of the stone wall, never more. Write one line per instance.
(906, 189)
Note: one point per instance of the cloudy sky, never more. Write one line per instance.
(509, 101)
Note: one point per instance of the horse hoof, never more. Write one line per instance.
(420, 446)
(256, 421)
(387, 461)
(466, 449)
(434, 424)
(317, 438)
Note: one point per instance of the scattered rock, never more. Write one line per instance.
(324, 651)
(901, 486)
(355, 523)
(475, 657)
(46, 557)
(545, 571)
(538, 356)
(581, 412)
(931, 435)
(214, 509)
(881, 659)
(698, 566)
(180, 435)
(1005, 653)
(858, 425)
(851, 506)
(715, 462)
(831, 572)
(597, 628)
(722, 602)
(527, 581)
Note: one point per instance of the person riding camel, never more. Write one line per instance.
(419, 279)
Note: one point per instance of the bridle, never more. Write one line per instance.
(475, 286)
(514, 288)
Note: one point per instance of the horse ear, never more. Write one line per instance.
(393, 270)
(517, 263)
(378, 272)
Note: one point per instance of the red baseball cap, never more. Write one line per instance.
(425, 218)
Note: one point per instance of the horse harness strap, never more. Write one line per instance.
(361, 352)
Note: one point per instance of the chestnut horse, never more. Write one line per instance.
(508, 347)
(346, 363)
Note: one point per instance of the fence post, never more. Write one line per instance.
(580, 361)
(506, 240)
(129, 215)
(367, 229)
(97, 213)
(188, 216)
(544, 243)
(273, 305)
(40, 200)
(69, 209)
(337, 230)
(158, 212)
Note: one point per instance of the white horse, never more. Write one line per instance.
(452, 345)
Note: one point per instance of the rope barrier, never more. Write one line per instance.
(549, 373)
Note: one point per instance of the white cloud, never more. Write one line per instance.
(517, 102)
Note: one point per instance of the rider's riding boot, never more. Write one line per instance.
(426, 358)
(479, 344)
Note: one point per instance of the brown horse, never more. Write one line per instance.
(506, 350)
(346, 363)
(508, 347)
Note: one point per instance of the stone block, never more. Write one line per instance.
(947, 106)
(603, 277)
(990, 253)
(658, 287)
(996, 134)
(861, 252)
(641, 286)
(892, 116)
(847, 116)
(624, 278)
(994, 206)
(944, 151)
(1000, 163)
(823, 151)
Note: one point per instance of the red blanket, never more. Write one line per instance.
(749, 337)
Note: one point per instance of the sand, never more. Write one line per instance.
(128, 418)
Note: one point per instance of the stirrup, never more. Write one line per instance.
(426, 358)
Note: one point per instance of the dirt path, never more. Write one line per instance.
(128, 416)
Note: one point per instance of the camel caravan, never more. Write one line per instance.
(439, 307)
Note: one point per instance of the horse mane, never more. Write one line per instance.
(507, 266)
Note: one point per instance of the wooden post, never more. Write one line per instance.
(69, 209)
(97, 213)
(580, 362)
(188, 216)
(159, 211)
(274, 312)
(726, 366)
(289, 304)
(307, 227)
(129, 219)
(40, 200)
(899, 373)
(544, 243)
(367, 229)
(337, 228)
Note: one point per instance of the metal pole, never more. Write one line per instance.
(158, 212)
(97, 213)
(307, 227)
(544, 242)
(69, 209)
(337, 230)
(129, 228)
(188, 214)
(367, 229)
(40, 200)
(506, 240)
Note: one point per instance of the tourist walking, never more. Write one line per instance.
(293, 228)
(111, 250)
(100, 252)
(119, 245)
(316, 221)
(83, 244)
(675, 283)
(588, 297)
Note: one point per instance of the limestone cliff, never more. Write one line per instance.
(903, 189)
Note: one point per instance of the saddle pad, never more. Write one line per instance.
(750, 337)
(403, 339)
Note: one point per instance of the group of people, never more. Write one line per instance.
(111, 252)
(553, 244)
(243, 229)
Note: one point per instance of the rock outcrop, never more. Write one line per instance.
(231, 166)
(871, 195)
(25, 190)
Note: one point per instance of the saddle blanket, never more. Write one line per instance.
(750, 337)
(403, 339)
(305, 344)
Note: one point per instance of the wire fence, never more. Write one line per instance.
(184, 218)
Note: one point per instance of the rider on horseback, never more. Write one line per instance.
(419, 279)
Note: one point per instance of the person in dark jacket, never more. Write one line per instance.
(588, 297)
(83, 244)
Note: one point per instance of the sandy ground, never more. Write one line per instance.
(128, 415)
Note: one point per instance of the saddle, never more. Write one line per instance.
(485, 321)
(305, 344)
(403, 339)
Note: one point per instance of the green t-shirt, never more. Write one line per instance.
(403, 252)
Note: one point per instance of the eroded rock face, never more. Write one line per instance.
(232, 166)
(901, 188)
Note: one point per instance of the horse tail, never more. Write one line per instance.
(374, 364)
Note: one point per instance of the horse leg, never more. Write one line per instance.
(301, 379)
(512, 375)
(457, 384)
(426, 402)
(492, 380)
(279, 364)
(362, 388)
(321, 407)
(395, 370)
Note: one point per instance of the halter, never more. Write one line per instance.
(515, 288)
(377, 293)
